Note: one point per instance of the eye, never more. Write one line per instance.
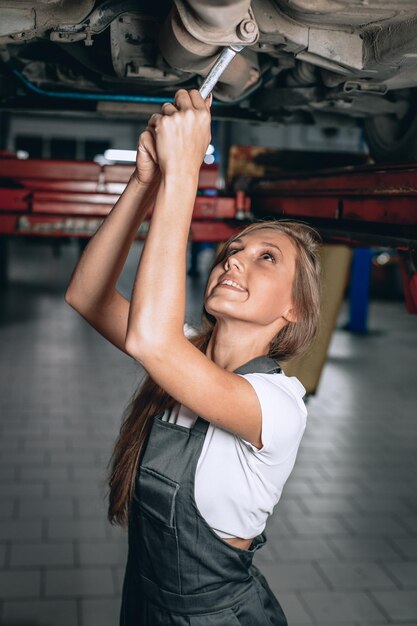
(232, 251)
(268, 255)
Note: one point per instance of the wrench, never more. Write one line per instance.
(218, 68)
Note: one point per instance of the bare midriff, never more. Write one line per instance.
(237, 542)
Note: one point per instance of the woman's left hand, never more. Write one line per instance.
(182, 133)
(146, 160)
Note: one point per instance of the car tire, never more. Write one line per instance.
(391, 139)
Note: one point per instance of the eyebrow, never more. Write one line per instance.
(264, 243)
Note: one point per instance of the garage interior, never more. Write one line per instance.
(342, 542)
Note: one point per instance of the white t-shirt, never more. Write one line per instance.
(237, 485)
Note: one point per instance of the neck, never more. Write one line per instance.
(231, 345)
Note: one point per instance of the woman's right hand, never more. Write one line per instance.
(146, 159)
(182, 133)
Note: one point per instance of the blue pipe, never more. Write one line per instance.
(88, 96)
(95, 96)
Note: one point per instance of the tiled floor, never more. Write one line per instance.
(342, 544)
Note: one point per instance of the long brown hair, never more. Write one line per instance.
(150, 399)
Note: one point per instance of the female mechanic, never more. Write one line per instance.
(210, 438)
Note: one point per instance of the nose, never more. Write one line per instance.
(233, 260)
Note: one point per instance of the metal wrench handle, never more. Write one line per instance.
(217, 70)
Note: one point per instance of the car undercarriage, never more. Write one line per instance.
(326, 62)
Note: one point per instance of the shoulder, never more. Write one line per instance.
(284, 413)
(278, 386)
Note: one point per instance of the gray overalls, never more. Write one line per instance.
(179, 572)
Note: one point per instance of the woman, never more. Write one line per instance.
(212, 435)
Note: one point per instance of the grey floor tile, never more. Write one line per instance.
(80, 582)
(48, 473)
(90, 507)
(374, 525)
(291, 505)
(46, 444)
(410, 522)
(364, 548)
(298, 486)
(44, 612)
(2, 555)
(406, 546)
(20, 459)
(411, 504)
(80, 472)
(318, 526)
(20, 530)
(333, 607)
(7, 508)
(312, 473)
(293, 576)
(399, 605)
(75, 488)
(404, 573)
(102, 553)
(328, 505)
(19, 584)
(24, 489)
(382, 504)
(291, 605)
(391, 487)
(336, 488)
(42, 554)
(118, 577)
(350, 575)
(45, 507)
(7, 474)
(102, 612)
(116, 533)
(279, 530)
(302, 550)
(86, 458)
(76, 529)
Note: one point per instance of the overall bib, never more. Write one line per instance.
(179, 572)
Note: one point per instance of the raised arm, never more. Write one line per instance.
(155, 327)
(92, 288)
(158, 298)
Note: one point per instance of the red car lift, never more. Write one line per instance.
(362, 206)
(71, 198)
(365, 205)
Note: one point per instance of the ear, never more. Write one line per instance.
(290, 316)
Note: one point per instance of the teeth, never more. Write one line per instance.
(232, 284)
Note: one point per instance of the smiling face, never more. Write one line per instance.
(254, 281)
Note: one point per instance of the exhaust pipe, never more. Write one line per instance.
(194, 34)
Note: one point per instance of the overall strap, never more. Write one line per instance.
(260, 364)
